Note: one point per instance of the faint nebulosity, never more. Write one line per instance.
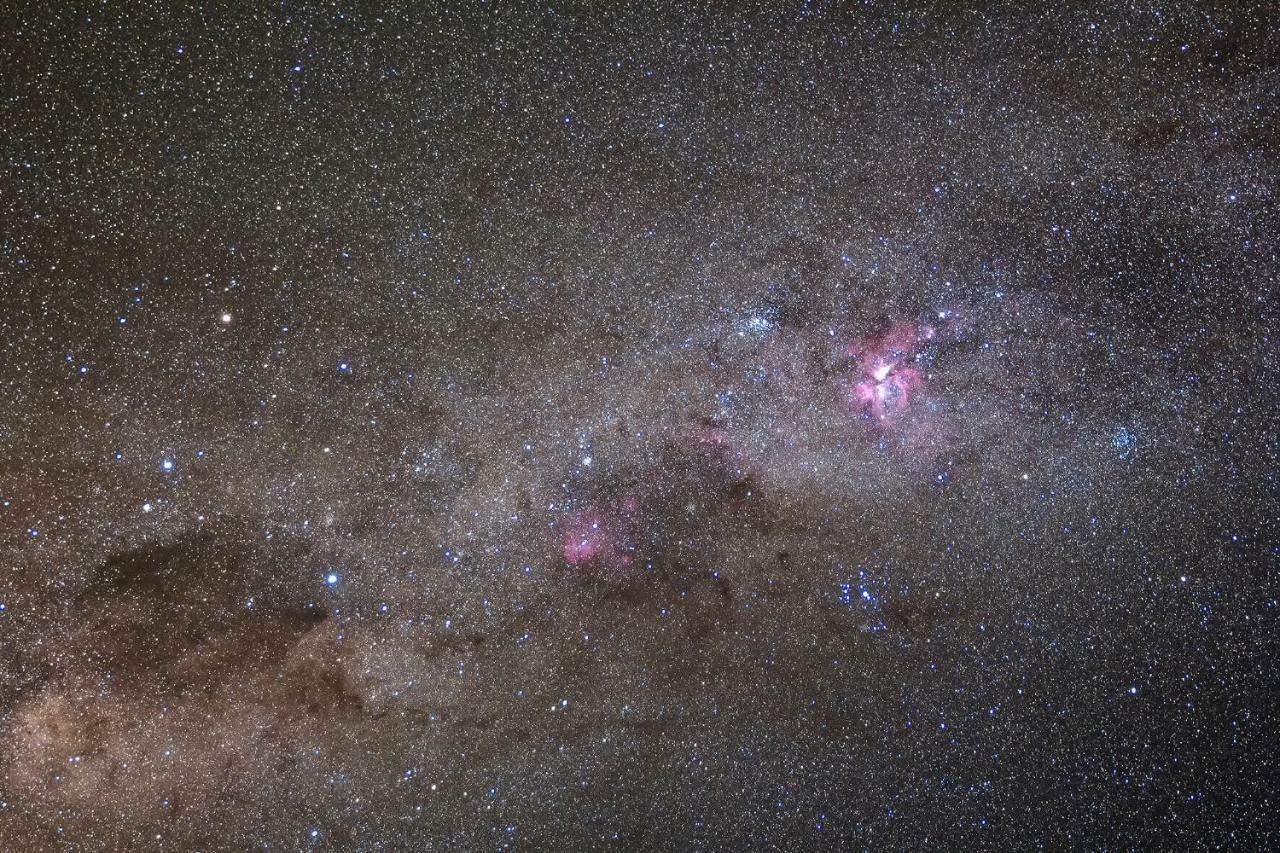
(571, 426)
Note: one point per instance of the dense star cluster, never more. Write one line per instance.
(569, 426)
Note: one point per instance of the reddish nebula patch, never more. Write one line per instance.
(713, 440)
(887, 379)
(888, 394)
(630, 503)
(592, 537)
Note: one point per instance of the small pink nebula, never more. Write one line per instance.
(714, 439)
(590, 537)
(708, 439)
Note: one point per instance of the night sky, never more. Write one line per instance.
(564, 426)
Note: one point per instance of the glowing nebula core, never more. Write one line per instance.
(888, 382)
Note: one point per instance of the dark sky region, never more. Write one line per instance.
(638, 426)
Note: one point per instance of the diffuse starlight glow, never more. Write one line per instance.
(645, 428)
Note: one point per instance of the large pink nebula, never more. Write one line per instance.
(887, 379)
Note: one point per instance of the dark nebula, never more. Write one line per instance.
(638, 426)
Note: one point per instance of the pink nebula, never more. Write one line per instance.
(887, 379)
(591, 537)
(889, 394)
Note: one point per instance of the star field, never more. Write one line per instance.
(639, 427)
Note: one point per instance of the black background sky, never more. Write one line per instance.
(638, 426)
